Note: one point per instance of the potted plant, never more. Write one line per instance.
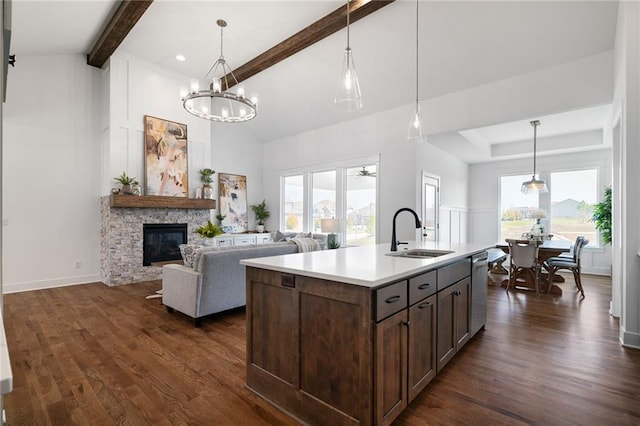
(209, 231)
(262, 214)
(220, 217)
(602, 216)
(206, 179)
(126, 182)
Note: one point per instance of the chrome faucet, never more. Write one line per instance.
(394, 242)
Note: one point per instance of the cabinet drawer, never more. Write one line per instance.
(422, 286)
(390, 299)
(453, 273)
(243, 241)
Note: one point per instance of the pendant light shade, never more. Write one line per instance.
(534, 185)
(415, 125)
(348, 96)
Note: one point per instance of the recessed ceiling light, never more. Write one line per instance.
(181, 58)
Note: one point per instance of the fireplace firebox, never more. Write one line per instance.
(161, 240)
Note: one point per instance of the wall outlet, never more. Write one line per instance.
(78, 264)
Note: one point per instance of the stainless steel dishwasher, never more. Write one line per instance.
(479, 270)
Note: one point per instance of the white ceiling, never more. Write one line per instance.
(462, 45)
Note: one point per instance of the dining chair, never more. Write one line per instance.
(573, 265)
(524, 257)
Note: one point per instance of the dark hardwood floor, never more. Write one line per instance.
(91, 354)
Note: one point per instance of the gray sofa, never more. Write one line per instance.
(217, 280)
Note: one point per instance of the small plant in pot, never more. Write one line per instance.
(209, 231)
(602, 216)
(206, 179)
(262, 214)
(126, 182)
(220, 217)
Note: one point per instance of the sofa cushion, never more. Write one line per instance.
(189, 252)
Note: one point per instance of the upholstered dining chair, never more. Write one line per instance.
(555, 264)
(524, 257)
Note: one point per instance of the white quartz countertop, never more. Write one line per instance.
(6, 379)
(366, 265)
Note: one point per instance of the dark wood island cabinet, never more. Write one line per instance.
(332, 353)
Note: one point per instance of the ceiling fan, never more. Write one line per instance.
(365, 172)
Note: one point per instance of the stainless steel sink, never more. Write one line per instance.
(420, 253)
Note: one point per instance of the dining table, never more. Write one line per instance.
(546, 249)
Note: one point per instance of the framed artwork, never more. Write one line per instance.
(165, 157)
(232, 200)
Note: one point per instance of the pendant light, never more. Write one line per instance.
(415, 125)
(534, 185)
(348, 96)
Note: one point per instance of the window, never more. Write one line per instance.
(573, 194)
(568, 205)
(515, 207)
(361, 205)
(323, 198)
(348, 193)
(293, 218)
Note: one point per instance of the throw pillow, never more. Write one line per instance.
(188, 252)
(277, 237)
(303, 235)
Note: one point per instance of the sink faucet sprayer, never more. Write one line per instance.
(394, 242)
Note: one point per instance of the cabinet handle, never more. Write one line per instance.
(392, 299)
(424, 305)
(406, 323)
(423, 286)
(457, 293)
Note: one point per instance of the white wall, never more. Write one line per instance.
(626, 202)
(69, 129)
(51, 186)
(400, 161)
(138, 88)
(484, 195)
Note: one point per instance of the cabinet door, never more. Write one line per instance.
(462, 302)
(224, 242)
(421, 358)
(391, 367)
(454, 320)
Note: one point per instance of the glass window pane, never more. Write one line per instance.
(293, 214)
(361, 205)
(515, 207)
(323, 198)
(572, 197)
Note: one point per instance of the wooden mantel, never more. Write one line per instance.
(159, 202)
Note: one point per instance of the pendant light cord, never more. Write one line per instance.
(348, 45)
(535, 131)
(417, 52)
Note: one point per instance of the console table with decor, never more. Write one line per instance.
(226, 240)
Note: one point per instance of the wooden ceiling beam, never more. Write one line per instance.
(122, 21)
(322, 28)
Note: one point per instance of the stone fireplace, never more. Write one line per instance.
(122, 236)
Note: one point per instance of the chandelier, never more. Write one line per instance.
(213, 103)
(534, 185)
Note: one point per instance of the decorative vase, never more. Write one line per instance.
(207, 191)
(537, 230)
(260, 228)
(126, 189)
(209, 241)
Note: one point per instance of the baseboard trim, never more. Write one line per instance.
(628, 339)
(8, 288)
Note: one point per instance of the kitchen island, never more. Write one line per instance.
(351, 336)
